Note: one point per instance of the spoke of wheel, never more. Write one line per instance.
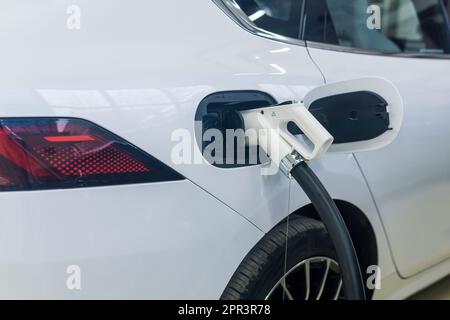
(324, 280)
(286, 290)
(308, 279)
(338, 291)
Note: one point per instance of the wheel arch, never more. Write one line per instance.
(360, 229)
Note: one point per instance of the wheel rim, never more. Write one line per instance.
(314, 278)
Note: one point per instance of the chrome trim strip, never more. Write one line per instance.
(232, 10)
(333, 47)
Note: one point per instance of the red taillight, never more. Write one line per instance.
(46, 153)
(69, 138)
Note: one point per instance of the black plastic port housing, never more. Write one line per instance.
(220, 111)
(351, 117)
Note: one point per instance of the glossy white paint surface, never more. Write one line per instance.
(141, 76)
(140, 70)
(133, 71)
(410, 178)
(340, 175)
(157, 241)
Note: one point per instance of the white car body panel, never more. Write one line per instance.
(133, 71)
(333, 170)
(147, 90)
(138, 241)
(410, 178)
(142, 92)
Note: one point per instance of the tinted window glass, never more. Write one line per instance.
(411, 26)
(277, 16)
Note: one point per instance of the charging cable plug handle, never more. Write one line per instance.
(291, 156)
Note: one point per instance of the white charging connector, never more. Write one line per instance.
(291, 156)
(285, 149)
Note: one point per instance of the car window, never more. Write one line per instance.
(398, 26)
(277, 16)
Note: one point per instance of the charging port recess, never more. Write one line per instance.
(221, 111)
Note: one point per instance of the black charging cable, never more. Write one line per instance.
(331, 216)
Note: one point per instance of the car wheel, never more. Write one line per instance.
(304, 269)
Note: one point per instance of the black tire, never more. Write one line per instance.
(264, 265)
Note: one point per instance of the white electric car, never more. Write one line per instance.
(98, 200)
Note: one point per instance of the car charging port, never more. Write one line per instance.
(222, 111)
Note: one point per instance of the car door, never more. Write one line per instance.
(407, 42)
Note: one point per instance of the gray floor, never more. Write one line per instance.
(439, 291)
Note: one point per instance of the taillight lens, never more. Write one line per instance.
(50, 153)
